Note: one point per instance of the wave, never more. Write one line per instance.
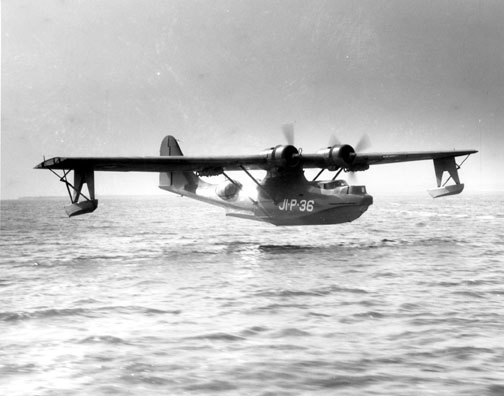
(288, 293)
(106, 339)
(456, 352)
(291, 332)
(211, 386)
(195, 249)
(44, 313)
(496, 390)
(285, 248)
(317, 292)
(217, 336)
(414, 240)
(277, 307)
(18, 368)
(370, 315)
(469, 293)
(254, 330)
(87, 312)
(345, 381)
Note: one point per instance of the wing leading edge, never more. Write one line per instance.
(155, 164)
(389, 158)
(230, 163)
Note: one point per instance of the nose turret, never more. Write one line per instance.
(357, 190)
(366, 199)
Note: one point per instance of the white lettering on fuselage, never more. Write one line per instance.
(303, 205)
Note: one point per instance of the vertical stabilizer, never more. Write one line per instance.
(175, 181)
(170, 147)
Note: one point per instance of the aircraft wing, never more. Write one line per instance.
(352, 161)
(211, 165)
(156, 164)
(389, 158)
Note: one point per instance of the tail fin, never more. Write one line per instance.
(170, 147)
(176, 181)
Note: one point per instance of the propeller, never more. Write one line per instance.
(333, 140)
(363, 144)
(288, 131)
(352, 178)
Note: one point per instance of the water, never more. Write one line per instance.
(167, 296)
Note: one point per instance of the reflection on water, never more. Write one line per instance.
(167, 296)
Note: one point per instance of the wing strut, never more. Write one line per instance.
(318, 174)
(337, 174)
(262, 188)
(449, 165)
(258, 184)
(81, 177)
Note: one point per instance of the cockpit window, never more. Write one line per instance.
(329, 185)
(358, 190)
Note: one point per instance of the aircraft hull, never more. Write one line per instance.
(296, 202)
(329, 216)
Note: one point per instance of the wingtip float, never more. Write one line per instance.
(283, 197)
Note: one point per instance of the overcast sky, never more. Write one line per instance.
(102, 78)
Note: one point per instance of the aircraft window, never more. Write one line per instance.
(358, 190)
(329, 185)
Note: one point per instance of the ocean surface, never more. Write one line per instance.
(166, 296)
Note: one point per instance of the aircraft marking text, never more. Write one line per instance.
(303, 205)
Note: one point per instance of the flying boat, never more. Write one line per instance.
(284, 197)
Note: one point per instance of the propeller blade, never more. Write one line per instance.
(352, 178)
(333, 140)
(288, 131)
(363, 144)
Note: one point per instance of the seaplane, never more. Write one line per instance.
(283, 197)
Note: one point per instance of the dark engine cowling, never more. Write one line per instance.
(283, 156)
(338, 156)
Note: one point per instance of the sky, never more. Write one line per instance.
(112, 78)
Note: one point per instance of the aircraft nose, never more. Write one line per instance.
(367, 200)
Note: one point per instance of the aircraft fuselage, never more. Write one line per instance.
(281, 200)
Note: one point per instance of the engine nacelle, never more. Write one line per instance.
(228, 190)
(338, 156)
(283, 156)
